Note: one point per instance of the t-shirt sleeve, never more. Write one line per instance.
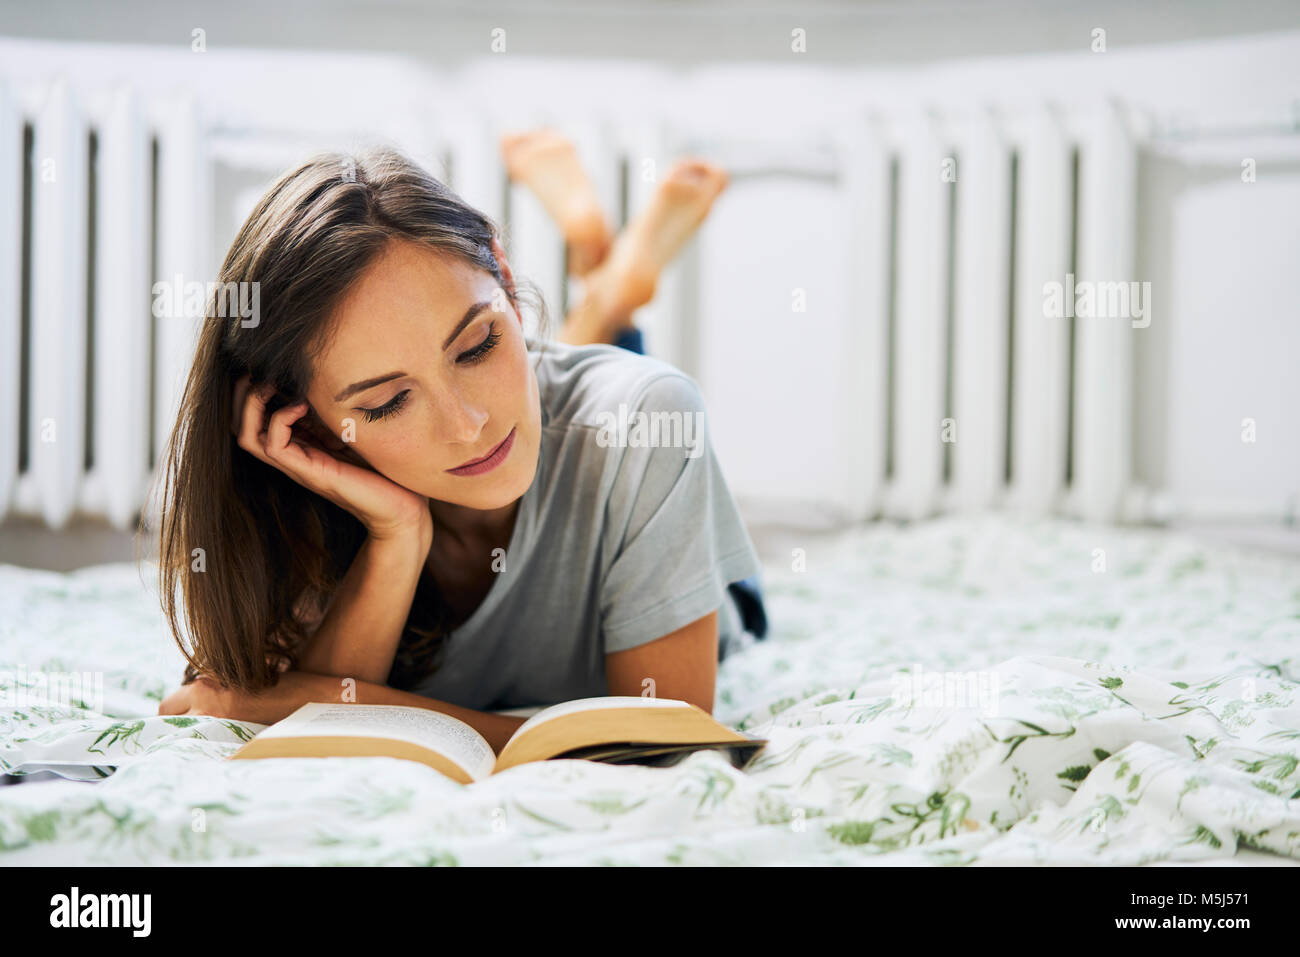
(672, 526)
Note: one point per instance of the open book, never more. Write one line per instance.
(616, 730)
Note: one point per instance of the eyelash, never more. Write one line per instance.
(474, 356)
(479, 352)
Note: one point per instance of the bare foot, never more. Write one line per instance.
(548, 164)
(627, 278)
(593, 320)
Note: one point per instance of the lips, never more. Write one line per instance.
(494, 451)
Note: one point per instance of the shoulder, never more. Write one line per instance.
(583, 386)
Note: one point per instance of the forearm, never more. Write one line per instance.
(297, 688)
(359, 635)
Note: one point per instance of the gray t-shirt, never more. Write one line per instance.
(627, 533)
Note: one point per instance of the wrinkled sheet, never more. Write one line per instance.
(967, 690)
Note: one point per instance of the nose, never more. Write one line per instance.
(460, 421)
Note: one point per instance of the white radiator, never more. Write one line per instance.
(985, 210)
(1040, 403)
(88, 414)
(955, 388)
(940, 321)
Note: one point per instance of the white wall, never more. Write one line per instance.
(1224, 256)
(445, 33)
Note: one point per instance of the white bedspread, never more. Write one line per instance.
(1141, 707)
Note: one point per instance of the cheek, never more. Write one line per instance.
(520, 377)
(379, 444)
(394, 450)
(403, 458)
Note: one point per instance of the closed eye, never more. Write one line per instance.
(388, 408)
(479, 352)
(475, 355)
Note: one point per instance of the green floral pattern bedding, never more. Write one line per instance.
(1103, 696)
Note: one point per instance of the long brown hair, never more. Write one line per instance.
(270, 546)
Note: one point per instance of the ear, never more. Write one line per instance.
(499, 252)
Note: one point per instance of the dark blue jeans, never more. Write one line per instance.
(746, 593)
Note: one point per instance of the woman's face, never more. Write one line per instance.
(425, 390)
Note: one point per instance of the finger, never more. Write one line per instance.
(256, 431)
(279, 431)
(294, 453)
(252, 418)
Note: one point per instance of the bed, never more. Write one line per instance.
(1143, 712)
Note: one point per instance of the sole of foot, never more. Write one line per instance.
(679, 206)
(547, 163)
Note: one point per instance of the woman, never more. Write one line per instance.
(382, 491)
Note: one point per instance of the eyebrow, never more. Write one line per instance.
(465, 320)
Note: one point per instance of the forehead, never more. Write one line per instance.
(406, 276)
(408, 298)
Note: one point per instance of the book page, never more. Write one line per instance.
(439, 732)
(596, 704)
(526, 712)
(614, 721)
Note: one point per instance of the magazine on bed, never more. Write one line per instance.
(614, 730)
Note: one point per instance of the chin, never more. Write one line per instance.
(507, 483)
